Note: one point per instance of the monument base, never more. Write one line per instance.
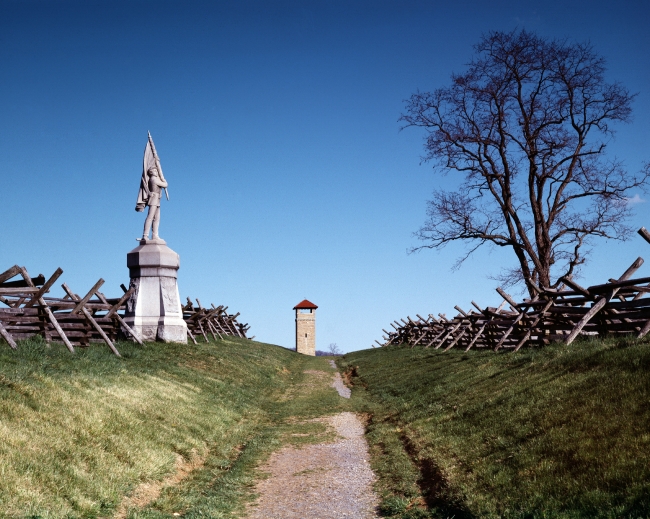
(154, 310)
(151, 331)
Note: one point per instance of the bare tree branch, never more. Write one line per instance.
(526, 127)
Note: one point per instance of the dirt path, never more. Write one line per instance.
(338, 384)
(323, 481)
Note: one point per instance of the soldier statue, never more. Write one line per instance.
(150, 188)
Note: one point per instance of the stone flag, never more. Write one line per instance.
(148, 162)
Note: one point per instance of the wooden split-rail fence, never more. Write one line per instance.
(619, 307)
(80, 321)
(214, 320)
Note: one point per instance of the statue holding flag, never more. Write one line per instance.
(150, 187)
(154, 311)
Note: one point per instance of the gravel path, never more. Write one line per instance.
(323, 481)
(338, 384)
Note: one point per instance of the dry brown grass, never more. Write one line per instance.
(149, 491)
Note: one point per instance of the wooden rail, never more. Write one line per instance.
(79, 321)
(616, 308)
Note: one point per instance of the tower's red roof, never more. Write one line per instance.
(304, 304)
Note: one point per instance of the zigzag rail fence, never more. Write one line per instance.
(94, 318)
(618, 307)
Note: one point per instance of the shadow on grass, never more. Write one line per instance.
(434, 487)
(560, 431)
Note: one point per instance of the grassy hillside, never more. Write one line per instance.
(169, 429)
(80, 432)
(560, 432)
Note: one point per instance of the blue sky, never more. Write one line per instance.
(276, 123)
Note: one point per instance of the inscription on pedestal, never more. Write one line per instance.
(154, 310)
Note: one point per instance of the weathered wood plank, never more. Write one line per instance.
(9, 273)
(7, 337)
(603, 300)
(82, 302)
(45, 288)
(90, 318)
(114, 315)
(48, 312)
(26, 291)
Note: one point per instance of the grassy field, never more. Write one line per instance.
(561, 432)
(178, 428)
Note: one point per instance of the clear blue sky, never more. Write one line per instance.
(276, 123)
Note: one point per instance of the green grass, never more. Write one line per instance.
(79, 432)
(287, 414)
(560, 432)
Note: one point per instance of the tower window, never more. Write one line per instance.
(305, 335)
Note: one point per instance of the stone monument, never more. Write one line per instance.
(306, 327)
(154, 310)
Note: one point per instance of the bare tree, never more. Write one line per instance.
(334, 349)
(526, 127)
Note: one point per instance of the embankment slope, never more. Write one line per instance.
(557, 432)
(79, 432)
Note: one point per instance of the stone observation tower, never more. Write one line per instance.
(306, 327)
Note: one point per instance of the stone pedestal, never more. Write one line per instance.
(154, 310)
